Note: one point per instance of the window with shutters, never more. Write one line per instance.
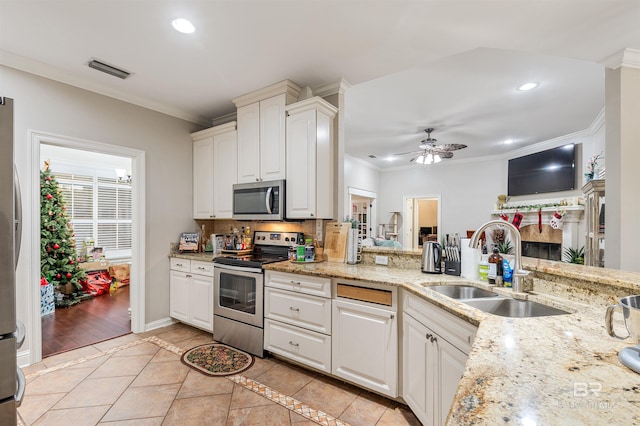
(98, 207)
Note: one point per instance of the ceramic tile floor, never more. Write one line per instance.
(138, 379)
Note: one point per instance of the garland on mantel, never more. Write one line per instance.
(529, 207)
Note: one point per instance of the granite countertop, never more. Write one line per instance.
(532, 371)
(203, 257)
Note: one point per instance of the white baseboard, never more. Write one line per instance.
(24, 358)
(164, 322)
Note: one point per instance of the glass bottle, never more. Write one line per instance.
(495, 267)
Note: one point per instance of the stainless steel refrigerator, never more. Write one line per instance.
(12, 380)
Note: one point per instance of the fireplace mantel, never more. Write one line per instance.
(571, 236)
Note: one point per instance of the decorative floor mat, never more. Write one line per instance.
(217, 359)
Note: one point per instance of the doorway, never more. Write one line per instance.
(422, 221)
(363, 209)
(137, 252)
(96, 191)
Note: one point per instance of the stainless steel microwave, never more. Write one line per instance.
(259, 200)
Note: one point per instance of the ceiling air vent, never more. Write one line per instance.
(109, 69)
(372, 156)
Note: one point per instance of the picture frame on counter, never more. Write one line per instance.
(189, 242)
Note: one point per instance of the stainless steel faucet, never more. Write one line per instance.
(518, 272)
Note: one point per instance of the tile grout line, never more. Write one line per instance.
(273, 395)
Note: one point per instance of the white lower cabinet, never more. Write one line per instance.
(434, 358)
(297, 312)
(365, 346)
(191, 293)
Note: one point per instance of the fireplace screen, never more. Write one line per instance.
(548, 251)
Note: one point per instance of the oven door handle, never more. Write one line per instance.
(269, 200)
(237, 268)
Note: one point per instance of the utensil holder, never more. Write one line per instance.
(452, 267)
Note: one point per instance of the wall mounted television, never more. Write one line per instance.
(546, 171)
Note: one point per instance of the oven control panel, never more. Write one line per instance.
(267, 238)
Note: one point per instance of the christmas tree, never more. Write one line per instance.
(58, 257)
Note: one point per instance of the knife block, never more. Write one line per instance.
(452, 267)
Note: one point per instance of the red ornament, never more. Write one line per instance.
(48, 178)
(71, 262)
(49, 196)
(58, 276)
(68, 275)
(56, 246)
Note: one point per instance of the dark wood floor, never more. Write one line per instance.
(91, 321)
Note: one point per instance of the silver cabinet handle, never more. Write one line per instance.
(188, 276)
(429, 336)
(294, 344)
(267, 199)
(179, 264)
(22, 382)
(201, 268)
(294, 309)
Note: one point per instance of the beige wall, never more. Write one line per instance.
(51, 107)
(427, 213)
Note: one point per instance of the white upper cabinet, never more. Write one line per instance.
(224, 173)
(249, 143)
(214, 171)
(310, 159)
(261, 132)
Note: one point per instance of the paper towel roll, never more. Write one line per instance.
(470, 258)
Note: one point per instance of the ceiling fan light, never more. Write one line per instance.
(436, 158)
(420, 159)
(429, 159)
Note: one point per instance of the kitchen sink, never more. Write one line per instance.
(514, 308)
(462, 291)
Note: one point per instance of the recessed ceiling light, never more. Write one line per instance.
(528, 86)
(508, 141)
(390, 158)
(183, 26)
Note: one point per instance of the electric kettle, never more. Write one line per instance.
(431, 257)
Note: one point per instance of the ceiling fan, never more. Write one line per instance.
(430, 151)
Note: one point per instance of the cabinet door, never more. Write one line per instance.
(301, 164)
(365, 346)
(417, 382)
(179, 295)
(224, 174)
(203, 179)
(248, 160)
(451, 363)
(272, 138)
(201, 302)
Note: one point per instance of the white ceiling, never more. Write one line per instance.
(449, 64)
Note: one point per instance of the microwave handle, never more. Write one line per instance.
(268, 199)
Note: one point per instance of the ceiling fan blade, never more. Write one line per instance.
(448, 147)
(408, 152)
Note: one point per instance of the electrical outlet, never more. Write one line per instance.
(319, 230)
(382, 260)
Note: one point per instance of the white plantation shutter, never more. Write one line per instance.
(98, 207)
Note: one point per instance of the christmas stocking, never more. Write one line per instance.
(540, 220)
(504, 217)
(556, 220)
(517, 219)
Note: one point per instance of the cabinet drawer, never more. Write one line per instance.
(457, 331)
(310, 312)
(202, 268)
(303, 346)
(183, 265)
(306, 284)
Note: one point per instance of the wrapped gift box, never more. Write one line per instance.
(47, 305)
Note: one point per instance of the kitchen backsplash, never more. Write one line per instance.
(308, 227)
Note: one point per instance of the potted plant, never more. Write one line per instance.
(574, 255)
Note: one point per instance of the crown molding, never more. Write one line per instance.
(288, 87)
(332, 88)
(629, 58)
(50, 72)
(213, 131)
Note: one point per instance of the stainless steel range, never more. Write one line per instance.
(238, 307)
